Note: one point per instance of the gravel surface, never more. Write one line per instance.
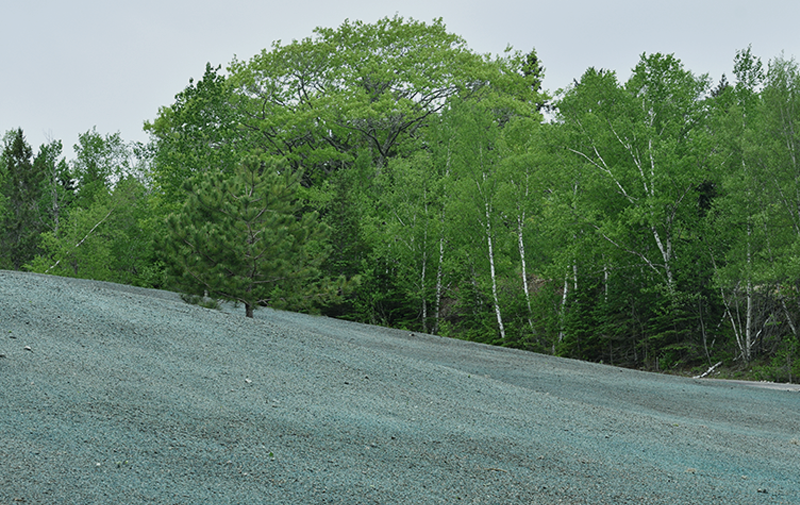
(113, 394)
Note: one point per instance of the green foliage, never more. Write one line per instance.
(653, 223)
(197, 134)
(100, 161)
(241, 238)
(321, 100)
(107, 241)
(23, 182)
(638, 169)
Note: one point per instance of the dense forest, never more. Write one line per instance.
(386, 173)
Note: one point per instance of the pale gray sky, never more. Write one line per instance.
(69, 65)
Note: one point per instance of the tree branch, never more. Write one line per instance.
(83, 239)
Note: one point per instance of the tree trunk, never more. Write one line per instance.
(666, 255)
(422, 288)
(439, 287)
(748, 340)
(563, 313)
(521, 245)
(748, 328)
(493, 274)
(440, 267)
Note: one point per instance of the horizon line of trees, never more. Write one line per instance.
(387, 174)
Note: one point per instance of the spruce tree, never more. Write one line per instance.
(22, 190)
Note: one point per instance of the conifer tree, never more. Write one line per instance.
(244, 239)
(22, 190)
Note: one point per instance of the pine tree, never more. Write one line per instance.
(244, 239)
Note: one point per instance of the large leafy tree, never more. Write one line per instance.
(100, 161)
(197, 134)
(761, 207)
(243, 239)
(319, 100)
(754, 220)
(737, 215)
(640, 139)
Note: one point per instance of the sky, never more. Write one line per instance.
(67, 66)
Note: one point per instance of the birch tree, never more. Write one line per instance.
(736, 221)
(520, 192)
(642, 149)
(476, 160)
(639, 140)
(756, 220)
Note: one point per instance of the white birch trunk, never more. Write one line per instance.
(525, 287)
(492, 273)
(521, 246)
(575, 277)
(422, 284)
(647, 179)
(666, 255)
(748, 323)
(422, 287)
(749, 317)
(440, 266)
(563, 314)
(439, 287)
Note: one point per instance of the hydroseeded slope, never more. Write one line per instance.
(112, 394)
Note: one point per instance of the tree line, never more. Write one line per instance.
(386, 173)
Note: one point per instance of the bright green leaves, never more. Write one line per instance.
(348, 108)
(100, 162)
(639, 158)
(643, 141)
(109, 240)
(362, 86)
(667, 95)
(199, 133)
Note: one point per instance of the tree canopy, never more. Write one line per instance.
(384, 172)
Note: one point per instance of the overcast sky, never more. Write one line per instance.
(69, 65)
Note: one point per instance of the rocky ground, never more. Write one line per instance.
(112, 394)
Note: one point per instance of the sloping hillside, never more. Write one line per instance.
(112, 394)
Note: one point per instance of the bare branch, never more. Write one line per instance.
(83, 239)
